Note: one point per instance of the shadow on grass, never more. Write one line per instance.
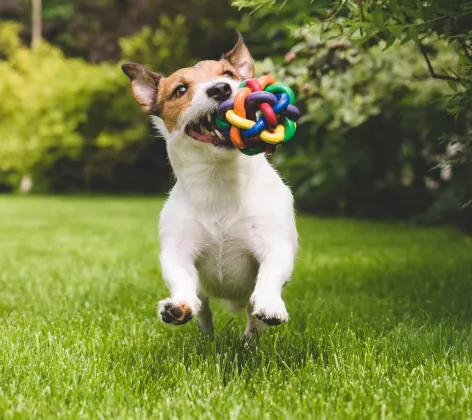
(425, 290)
(224, 357)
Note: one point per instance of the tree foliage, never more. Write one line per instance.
(165, 48)
(367, 23)
(51, 105)
(92, 29)
(386, 86)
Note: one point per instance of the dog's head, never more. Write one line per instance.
(186, 101)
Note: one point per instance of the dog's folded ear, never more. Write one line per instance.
(240, 58)
(144, 85)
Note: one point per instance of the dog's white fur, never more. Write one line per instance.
(228, 227)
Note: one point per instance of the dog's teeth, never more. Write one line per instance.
(219, 135)
(209, 117)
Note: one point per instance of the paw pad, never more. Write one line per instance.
(271, 319)
(173, 313)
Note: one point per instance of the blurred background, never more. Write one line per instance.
(384, 88)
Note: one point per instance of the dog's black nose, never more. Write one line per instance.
(219, 91)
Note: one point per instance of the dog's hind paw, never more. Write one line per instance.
(270, 311)
(175, 313)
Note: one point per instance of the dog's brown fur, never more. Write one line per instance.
(156, 94)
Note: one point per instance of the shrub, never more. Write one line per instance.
(55, 108)
(368, 140)
(384, 137)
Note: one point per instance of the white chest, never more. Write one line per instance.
(226, 265)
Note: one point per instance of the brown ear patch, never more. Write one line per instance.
(144, 85)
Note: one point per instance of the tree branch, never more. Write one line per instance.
(434, 75)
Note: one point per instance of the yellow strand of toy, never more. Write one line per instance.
(274, 138)
(237, 121)
(243, 124)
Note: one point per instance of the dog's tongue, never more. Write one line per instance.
(201, 137)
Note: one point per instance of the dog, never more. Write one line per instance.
(227, 229)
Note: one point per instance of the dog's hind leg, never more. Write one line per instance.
(204, 317)
(253, 324)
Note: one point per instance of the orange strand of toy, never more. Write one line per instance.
(266, 80)
(239, 100)
(235, 136)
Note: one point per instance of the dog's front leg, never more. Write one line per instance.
(181, 276)
(276, 260)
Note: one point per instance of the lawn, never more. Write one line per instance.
(380, 323)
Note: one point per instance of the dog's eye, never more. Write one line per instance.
(228, 73)
(180, 91)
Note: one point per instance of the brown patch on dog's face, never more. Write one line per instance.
(169, 97)
(176, 91)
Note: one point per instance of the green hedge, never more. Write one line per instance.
(68, 124)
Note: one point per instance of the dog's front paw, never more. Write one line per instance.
(269, 309)
(172, 312)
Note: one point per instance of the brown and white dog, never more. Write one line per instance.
(228, 228)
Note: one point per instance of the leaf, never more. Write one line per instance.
(405, 39)
(390, 40)
(412, 12)
(413, 33)
(452, 85)
(365, 12)
(396, 11)
(379, 16)
(396, 31)
(464, 60)
(419, 5)
(447, 26)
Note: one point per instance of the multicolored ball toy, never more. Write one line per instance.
(261, 116)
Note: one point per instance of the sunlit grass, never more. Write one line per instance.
(380, 323)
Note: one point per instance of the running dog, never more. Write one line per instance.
(228, 227)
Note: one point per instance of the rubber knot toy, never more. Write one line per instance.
(261, 116)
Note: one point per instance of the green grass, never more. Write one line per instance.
(380, 323)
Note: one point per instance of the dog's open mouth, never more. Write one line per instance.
(205, 130)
